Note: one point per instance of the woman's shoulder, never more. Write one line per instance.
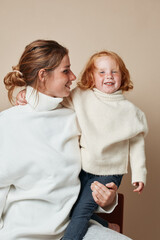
(8, 111)
(14, 114)
(7, 117)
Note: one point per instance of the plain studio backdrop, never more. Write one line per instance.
(129, 27)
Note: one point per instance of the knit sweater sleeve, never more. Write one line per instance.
(4, 182)
(109, 208)
(137, 153)
(3, 196)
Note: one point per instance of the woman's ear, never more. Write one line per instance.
(41, 75)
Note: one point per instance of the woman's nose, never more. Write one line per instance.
(72, 76)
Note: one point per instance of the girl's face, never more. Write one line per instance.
(57, 83)
(107, 75)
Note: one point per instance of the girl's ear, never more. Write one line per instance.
(41, 75)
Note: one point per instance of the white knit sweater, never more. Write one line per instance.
(39, 167)
(113, 131)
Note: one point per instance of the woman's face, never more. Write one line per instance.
(58, 82)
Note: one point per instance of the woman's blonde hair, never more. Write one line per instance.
(40, 54)
(87, 76)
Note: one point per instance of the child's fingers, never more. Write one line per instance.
(20, 98)
(21, 103)
(139, 188)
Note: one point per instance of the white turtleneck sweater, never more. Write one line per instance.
(39, 168)
(112, 132)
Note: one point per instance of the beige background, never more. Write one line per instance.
(129, 27)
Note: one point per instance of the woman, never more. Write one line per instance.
(39, 151)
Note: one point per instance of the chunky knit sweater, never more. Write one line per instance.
(39, 168)
(112, 133)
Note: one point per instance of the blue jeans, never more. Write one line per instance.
(84, 208)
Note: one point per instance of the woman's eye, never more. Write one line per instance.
(66, 71)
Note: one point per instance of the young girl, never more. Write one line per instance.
(112, 132)
(39, 150)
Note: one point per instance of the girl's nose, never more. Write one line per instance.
(109, 76)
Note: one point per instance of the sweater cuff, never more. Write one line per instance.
(110, 208)
(139, 177)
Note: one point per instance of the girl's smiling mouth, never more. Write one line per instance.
(109, 83)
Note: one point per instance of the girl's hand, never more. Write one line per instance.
(139, 187)
(21, 98)
(103, 195)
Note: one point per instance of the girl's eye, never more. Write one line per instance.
(102, 72)
(114, 71)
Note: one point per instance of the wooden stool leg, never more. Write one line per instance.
(117, 215)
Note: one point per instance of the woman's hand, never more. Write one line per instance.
(21, 98)
(103, 195)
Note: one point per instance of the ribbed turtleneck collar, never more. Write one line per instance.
(116, 96)
(41, 102)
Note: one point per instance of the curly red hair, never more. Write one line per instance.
(87, 77)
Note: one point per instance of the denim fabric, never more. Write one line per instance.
(85, 206)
